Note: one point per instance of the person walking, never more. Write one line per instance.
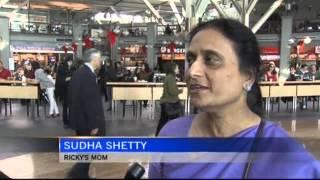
(86, 109)
(47, 84)
(170, 102)
(64, 73)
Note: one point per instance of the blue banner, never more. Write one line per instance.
(83, 145)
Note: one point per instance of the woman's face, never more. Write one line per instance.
(21, 72)
(271, 67)
(143, 68)
(213, 77)
(28, 67)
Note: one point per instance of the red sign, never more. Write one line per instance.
(165, 50)
(269, 50)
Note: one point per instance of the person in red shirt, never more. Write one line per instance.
(271, 74)
(4, 73)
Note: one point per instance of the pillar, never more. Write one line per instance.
(151, 41)
(286, 32)
(4, 41)
(114, 50)
(77, 36)
(190, 23)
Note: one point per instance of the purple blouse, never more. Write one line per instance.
(286, 165)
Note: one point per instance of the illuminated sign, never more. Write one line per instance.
(165, 50)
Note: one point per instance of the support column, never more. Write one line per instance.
(244, 15)
(286, 32)
(114, 52)
(151, 41)
(77, 36)
(190, 23)
(4, 41)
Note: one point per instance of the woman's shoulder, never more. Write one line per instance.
(177, 127)
(288, 153)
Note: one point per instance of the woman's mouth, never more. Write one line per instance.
(195, 88)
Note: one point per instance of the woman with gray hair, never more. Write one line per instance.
(48, 84)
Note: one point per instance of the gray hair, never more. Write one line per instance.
(89, 54)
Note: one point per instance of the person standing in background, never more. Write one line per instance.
(102, 81)
(110, 76)
(120, 71)
(47, 84)
(271, 74)
(304, 73)
(314, 73)
(29, 73)
(170, 102)
(4, 73)
(145, 74)
(86, 108)
(64, 73)
(304, 76)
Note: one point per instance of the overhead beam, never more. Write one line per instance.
(154, 11)
(201, 8)
(14, 12)
(3, 2)
(183, 12)
(237, 6)
(251, 5)
(115, 11)
(264, 18)
(175, 10)
(218, 8)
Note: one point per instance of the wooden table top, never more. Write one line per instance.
(5, 82)
(290, 82)
(140, 84)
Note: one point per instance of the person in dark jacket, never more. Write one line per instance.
(110, 76)
(64, 73)
(86, 109)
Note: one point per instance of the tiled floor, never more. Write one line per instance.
(303, 125)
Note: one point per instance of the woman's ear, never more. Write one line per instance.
(249, 81)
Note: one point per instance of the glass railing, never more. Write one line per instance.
(298, 27)
(162, 31)
(41, 28)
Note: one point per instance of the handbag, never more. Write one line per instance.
(172, 108)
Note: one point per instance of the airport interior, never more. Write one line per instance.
(147, 50)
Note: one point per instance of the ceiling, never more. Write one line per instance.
(308, 8)
(130, 7)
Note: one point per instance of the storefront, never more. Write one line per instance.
(132, 56)
(47, 53)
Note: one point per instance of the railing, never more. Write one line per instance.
(298, 27)
(41, 28)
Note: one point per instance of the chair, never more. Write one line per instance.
(284, 91)
(265, 93)
(309, 91)
(131, 94)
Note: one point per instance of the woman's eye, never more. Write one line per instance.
(212, 60)
(190, 60)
